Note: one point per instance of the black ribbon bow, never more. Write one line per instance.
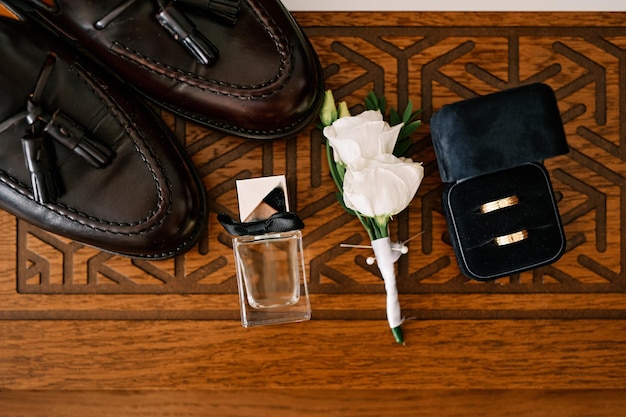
(285, 221)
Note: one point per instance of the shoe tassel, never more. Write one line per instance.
(62, 129)
(38, 155)
(225, 10)
(43, 178)
(184, 31)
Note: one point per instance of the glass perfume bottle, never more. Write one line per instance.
(269, 259)
(271, 278)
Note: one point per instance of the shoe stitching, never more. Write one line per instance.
(113, 111)
(283, 48)
(202, 83)
(117, 46)
(135, 135)
(204, 119)
(11, 181)
(199, 225)
(233, 128)
(22, 189)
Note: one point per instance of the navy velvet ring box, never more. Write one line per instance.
(498, 200)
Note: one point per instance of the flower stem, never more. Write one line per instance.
(367, 224)
(397, 334)
(381, 229)
(334, 172)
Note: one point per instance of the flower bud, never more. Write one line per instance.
(328, 113)
(343, 110)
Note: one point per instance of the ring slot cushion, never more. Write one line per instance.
(492, 147)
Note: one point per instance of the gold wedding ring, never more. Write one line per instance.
(512, 238)
(499, 204)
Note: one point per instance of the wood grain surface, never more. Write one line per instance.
(83, 333)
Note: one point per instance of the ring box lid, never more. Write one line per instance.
(496, 132)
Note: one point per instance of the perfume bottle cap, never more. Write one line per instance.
(261, 197)
(263, 208)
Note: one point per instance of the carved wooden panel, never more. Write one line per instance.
(431, 59)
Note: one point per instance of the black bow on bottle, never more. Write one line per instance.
(285, 221)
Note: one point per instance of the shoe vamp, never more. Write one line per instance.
(125, 191)
(250, 53)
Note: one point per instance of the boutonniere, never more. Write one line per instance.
(374, 180)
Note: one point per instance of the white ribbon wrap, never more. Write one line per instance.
(386, 258)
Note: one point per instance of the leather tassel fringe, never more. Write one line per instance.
(62, 129)
(184, 31)
(41, 168)
(225, 10)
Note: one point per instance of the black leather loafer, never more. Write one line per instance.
(83, 158)
(252, 73)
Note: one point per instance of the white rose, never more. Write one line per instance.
(383, 187)
(361, 137)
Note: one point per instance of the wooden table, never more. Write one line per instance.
(83, 333)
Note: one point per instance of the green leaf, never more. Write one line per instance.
(415, 114)
(406, 116)
(402, 146)
(382, 104)
(408, 129)
(374, 102)
(394, 117)
(371, 101)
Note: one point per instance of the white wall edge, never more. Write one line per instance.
(458, 5)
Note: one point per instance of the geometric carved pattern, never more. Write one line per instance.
(431, 66)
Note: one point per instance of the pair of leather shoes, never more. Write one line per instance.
(83, 158)
(240, 66)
